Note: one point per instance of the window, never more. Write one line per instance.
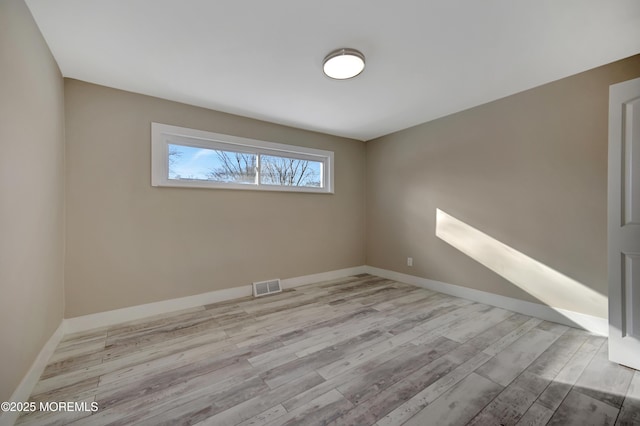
(194, 158)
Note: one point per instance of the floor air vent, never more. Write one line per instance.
(263, 288)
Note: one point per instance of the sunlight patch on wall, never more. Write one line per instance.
(544, 283)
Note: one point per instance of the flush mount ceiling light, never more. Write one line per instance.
(342, 64)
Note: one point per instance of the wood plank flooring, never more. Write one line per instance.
(361, 350)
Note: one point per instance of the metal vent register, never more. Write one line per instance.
(263, 288)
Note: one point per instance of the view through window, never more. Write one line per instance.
(186, 157)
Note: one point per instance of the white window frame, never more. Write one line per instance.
(163, 135)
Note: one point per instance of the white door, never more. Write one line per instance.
(624, 223)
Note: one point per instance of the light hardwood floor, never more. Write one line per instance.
(356, 351)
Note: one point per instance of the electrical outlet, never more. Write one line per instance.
(409, 261)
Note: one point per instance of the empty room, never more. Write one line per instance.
(333, 213)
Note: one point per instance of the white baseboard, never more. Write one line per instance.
(322, 276)
(24, 389)
(131, 313)
(117, 316)
(590, 323)
(596, 325)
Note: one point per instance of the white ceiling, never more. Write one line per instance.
(263, 59)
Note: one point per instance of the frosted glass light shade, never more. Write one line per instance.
(342, 64)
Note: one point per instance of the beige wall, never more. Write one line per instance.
(31, 194)
(529, 170)
(129, 243)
